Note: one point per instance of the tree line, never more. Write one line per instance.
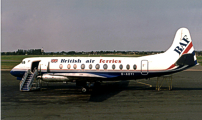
(41, 52)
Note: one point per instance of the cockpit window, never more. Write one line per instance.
(23, 62)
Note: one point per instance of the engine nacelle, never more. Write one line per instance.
(52, 78)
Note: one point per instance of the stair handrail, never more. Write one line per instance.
(24, 78)
(35, 73)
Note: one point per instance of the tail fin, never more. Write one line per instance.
(182, 45)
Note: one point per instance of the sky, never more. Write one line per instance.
(94, 25)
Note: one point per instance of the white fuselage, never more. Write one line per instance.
(116, 68)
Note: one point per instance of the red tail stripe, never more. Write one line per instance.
(172, 66)
(188, 48)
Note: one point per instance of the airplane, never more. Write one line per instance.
(94, 70)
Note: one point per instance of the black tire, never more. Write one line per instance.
(84, 89)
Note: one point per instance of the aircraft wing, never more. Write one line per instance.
(86, 75)
(75, 76)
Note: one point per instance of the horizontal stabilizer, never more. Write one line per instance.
(186, 59)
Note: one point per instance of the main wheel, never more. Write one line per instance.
(84, 90)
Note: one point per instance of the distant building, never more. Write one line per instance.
(42, 51)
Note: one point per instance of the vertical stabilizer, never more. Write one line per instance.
(181, 45)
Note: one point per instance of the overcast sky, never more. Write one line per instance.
(93, 25)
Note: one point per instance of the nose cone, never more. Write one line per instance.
(12, 72)
(17, 72)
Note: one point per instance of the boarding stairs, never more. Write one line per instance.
(26, 84)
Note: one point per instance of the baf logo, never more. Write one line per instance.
(54, 60)
(182, 45)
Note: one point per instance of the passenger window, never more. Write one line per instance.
(105, 66)
(97, 66)
(134, 67)
(90, 66)
(82, 66)
(60, 66)
(128, 67)
(113, 66)
(75, 66)
(68, 66)
(121, 66)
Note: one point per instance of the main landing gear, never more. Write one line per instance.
(84, 89)
(88, 86)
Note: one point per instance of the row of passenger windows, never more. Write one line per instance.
(97, 66)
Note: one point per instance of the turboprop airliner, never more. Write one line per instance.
(83, 70)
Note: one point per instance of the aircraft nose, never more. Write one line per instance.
(12, 72)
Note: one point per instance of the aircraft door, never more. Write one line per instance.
(144, 67)
(35, 64)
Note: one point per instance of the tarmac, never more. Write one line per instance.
(112, 100)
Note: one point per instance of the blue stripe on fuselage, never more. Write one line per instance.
(17, 73)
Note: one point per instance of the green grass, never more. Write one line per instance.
(199, 59)
(8, 65)
(9, 61)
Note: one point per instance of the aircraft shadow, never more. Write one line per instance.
(176, 88)
(98, 94)
(102, 92)
(107, 90)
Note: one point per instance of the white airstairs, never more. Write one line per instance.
(27, 82)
